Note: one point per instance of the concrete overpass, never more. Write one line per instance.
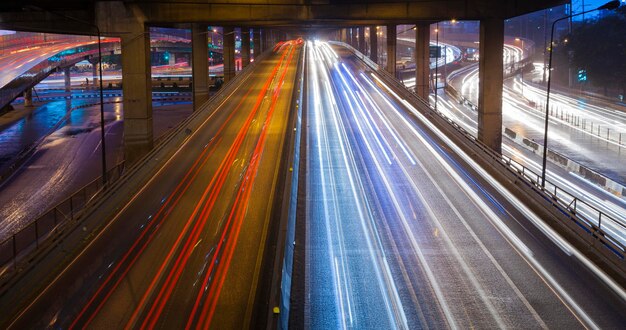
(271, 20)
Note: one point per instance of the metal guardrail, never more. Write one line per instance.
(67, 211)
(585, 215)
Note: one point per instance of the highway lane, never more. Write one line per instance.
(565, 138)
(402, 234)
(577, 138)
(186, 251)
(571, 182)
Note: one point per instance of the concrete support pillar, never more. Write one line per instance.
(422, 60)
(229, 53)
(115, 17)
(351, 34)
(172, 59)
(245, 46)
(28, 97)
(136, 86)
(263, 40)
(68, 79)
(94, 71)
(199, 64)
(344, 35)
(490, 83)
(256, 39)
(391, 49)
(373, 44)
(362, 39)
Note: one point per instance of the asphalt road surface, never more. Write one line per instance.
(187, 249)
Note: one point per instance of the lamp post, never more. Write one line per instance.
(437, 65)
(522, 60)
(102, 133)
(611, 5)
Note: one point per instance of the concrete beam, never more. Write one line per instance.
(422, 60)
(229, 53)
(199, 64)
(287, 13)
(391, 49)
(490, 83)
(245, 46)
(362, 12)
(373, 43)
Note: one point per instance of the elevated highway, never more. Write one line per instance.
(24, 68)
(184, 258)
(398, 216)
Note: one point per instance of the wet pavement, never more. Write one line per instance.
(68, 155)
(569, 132)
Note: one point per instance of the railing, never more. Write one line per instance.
(588, 217)
(29, 237)
(588, 126)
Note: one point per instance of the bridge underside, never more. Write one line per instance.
(130, 20)
(258, 13)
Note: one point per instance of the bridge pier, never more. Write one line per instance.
(490, 75)
(68, 79)
(373, 44)
(362, 39)
(136, 86)
(229, 53)
(28, 97)
(264, 40)
(256, 40)
(115, 18)
(245, 47)
(391, 49)
(199, 65)
(353, 37)
(94, 71)
(344, 35)
(422, 60)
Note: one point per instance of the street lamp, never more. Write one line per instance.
(611, 5)
(437, 65)
(522, 60)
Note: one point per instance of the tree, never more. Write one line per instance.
(599, 47)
